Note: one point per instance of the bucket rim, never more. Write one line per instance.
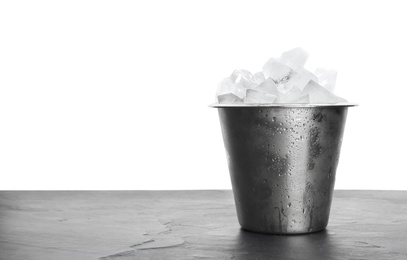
(285, 105)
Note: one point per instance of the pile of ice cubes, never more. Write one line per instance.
(282, 80)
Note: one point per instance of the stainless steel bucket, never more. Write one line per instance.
(282, 163)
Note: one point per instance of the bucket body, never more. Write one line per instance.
(282, 163)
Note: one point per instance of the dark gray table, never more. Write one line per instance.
(189, 225)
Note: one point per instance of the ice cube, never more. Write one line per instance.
(229, 98)
(282, 88)
(243, 79)
(276, 70)
(241, 73)
(326, 78)
(300, 78)
(318, 94)
(258, 78)
(254, 96)
(294, 58)
(228, 86)
(268, 86)
(304, 99)
(236, 83)
(291, 95)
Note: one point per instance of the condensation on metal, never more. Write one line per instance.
(282, 163)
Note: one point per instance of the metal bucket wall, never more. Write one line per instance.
(282, 163)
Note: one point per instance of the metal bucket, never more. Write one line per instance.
(282, 162)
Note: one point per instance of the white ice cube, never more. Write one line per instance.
(237, 83)
(288, 97)
(318, 94)
(229, 98)
(258, 78)
(276, 70)
(268, 86)
(228, 86)
(300, 78)
(304, 99)
(326, 78)
(294, 58)
(254, 96)
(242, 78)
(283, 89)
(241, 73)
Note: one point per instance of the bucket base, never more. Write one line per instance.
(282, 233)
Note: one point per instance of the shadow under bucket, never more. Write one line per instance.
(282, 161)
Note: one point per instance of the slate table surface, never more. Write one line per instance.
(128, 225)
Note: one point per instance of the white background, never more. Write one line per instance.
(115, 94)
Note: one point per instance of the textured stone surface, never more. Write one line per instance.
(189, 225)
